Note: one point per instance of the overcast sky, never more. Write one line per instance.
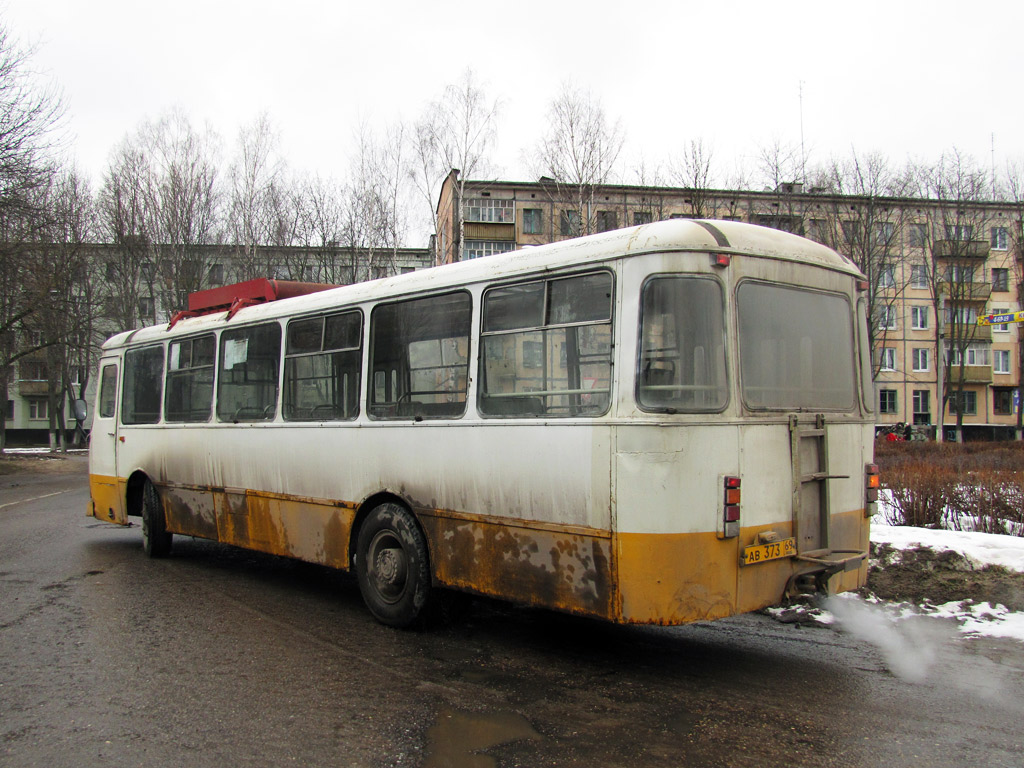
(908, 78)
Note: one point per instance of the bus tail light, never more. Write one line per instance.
(730, 507)
(871, 485)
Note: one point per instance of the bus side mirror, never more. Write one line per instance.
(80, 409)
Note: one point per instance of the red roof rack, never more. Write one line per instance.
(231, 298)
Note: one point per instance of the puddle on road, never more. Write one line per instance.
(457, 738)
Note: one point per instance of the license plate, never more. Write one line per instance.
(760, 553)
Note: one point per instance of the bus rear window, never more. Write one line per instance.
(796, 348)
(682, 357)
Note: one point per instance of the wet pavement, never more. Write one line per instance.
(216, 656)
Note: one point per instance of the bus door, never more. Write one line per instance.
(105, 488)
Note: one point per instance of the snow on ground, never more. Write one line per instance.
(897, 626)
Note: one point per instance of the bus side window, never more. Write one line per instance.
(190, 379)
(546, 348)
(247, 385)
(322, 366)
(419, 355)
(142, 393)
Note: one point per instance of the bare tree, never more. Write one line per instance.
(955, 226)
(30, 114)
(159, 206)
(455, 133)
(862, 217)
(256, 181)
(579, 152)
(693, 171)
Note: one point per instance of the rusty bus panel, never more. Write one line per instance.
(190, 511)
(567, 570)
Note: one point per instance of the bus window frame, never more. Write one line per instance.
(392, 375)
(546, 279)
(220, 371)
(125, 368)
(729, 377)
(853, 405)
(323, 316)
(168, 372)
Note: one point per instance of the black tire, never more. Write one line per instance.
(156, 541)
(392, 566)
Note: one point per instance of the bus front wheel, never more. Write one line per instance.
(392, 566)
(156, 541)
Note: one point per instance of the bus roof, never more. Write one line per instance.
(727, 237)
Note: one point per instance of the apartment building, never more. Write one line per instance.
(934, 268)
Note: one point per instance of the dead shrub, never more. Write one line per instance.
(919, 494)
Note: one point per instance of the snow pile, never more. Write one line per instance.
(980, 548)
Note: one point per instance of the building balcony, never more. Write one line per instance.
(960, 249)
(965, 292)
(982, 333)
(973, 374)
(31, 388)
(487, 230)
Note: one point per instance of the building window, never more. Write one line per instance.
(475, 249)
(887, 401)
(887, 318)
(887, 358)
(919, 318)
(1002, 400)
(1002, 327)
(215, 275)
(33, 370)
(10, 410)
(1000, 239)
(1000, 279)
(918, 276)
(607, 221)
(492, 211)
(964, 402)
(642, 217)
(917, 235)
(851, 231)
(1000, 361)
(960, 274)
(887, 277)
(976, 354)
(533, 221)
(38, 409)
(570, 224)
(882, 232)
(922, 409)
(920, 359)
(146, 308)
(961, 232)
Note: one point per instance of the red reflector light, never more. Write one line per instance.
(720, 260)
(732, 513)
(732, 482)
(863, 285)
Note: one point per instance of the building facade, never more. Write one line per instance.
(934, 267)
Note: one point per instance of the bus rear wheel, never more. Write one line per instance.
(392, 566)
(156, 541)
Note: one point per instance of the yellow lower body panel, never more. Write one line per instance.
(107, 495)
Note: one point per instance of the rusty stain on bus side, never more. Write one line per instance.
(568, 570)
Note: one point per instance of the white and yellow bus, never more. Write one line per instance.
(662, 424)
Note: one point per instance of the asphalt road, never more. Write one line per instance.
(219, 657)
